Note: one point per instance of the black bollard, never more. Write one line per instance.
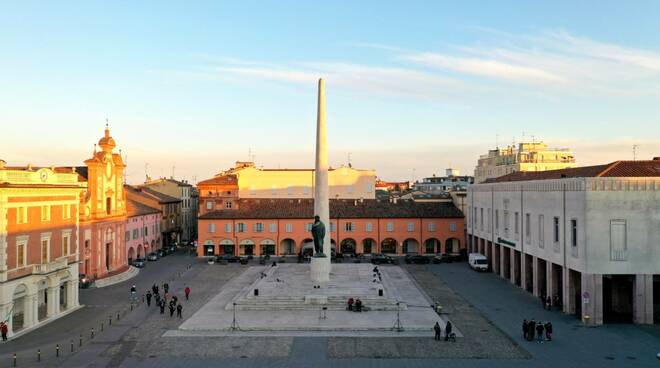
(92, 336)
(14, 359)
(101, 326)
(109, 320)
(117, 316)
(72, 345)
(80, 340)
(131, 306)
(38, 355)
(57, 350)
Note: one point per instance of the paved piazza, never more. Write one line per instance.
(287, 301)
(485, 309)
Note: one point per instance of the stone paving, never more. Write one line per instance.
(487, 309)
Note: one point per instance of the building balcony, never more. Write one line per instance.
(43, 269)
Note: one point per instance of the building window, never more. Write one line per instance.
(370, 187)
(272, 228)
(411, 226)
(45, 213)
(228, 228)
(618, 240)
(497, 221)
(289, 190)
(258, 227)
(390, 226)
(308, 226)
(66, 242)
(528, 228)
(368, 227)
(240, 227)
(431, 226)
(333, 227)
(541, 232)
(348, 227)
(211, 227)
(210, 205)
(516, 225)
(289, 228)
(488, 221)
(555, 229)
(305, 190)
(506, 223)
(45, 250)
(481, 219)
(574, 233)
(228, 205)
(127, 236)
(66, 211)
(21, 215)
(21, 255)
(452, 226)
(146, 231)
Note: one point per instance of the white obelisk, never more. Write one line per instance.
(320, 266)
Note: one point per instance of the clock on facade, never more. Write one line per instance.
(44, 176)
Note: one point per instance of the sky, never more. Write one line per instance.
(412, 87)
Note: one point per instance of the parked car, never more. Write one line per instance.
(153, 256)
(417, 259)
(244, 260)
(478, 261)
(139, 262)
(380, 258)
(443, 258)
(84, 282)
(228, 258)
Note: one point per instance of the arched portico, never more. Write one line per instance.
(267, 247)
(246, 247)
(209, 248)
(131, 254)
(388, 245)
(287, 247)
(452, 245)
(410, 246)
(369, 246)
(348, 246)
(432, 245)
(227, 247)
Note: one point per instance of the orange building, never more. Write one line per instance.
(39, 244)
(282, 227)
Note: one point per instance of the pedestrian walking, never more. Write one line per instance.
(438, 331)
(175, 299)
(148, 298)
(548, 303)
(166, 287)
(162, 306)
(531, 328)
(447, 330)
(167, 296)
(539, 332)
(171, 310)
(179, 308)
(524, 328)
(548, 331)
(154, 289)
(187, 292)
(4, 329)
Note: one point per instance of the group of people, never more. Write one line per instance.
(548, 302)
(448, 334)
(354, 305)
(166, 300)
(532, 328)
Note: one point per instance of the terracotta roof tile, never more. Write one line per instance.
(134, 208)
(339, 208)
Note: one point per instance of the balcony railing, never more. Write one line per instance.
(42, 269)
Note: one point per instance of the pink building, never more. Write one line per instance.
(282, 227)
(142, 230)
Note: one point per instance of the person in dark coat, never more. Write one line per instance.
(4, 330)
(162, 306)
(175, 299)
(350, 304)
(166, 287)
(179, 308)
(171, 309)
(539, 332)
(358, 305)
(438, 331)
(531, 328)
(154, 289)
(447, 330)
(548, 331)
(148, 298)
(524, 328)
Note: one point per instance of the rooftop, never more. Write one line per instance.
(134, 208)
(642, 168)
(339, 208)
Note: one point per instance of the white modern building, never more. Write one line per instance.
(589, 236)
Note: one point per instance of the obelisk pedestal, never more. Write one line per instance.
(320, 266)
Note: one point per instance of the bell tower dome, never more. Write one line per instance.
(107, 143)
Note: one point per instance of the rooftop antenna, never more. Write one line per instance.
(497, 141)
(635, 152)
(107, 122)
(173, 167)
(533, 138)
(146, 171)
(349, 160)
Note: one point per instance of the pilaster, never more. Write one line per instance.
(643, 299)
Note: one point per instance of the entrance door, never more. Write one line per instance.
(249, 249)
(107, 256)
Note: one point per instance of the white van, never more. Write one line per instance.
(478, 261)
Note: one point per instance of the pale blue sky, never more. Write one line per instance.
(419, 85)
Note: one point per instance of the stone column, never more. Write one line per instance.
(492, 260)
(568, 293)
(535, 275)
(643, 299)
(550, 287)
(31, 311)
(592, 307)
(3, 238)
(512, 266)
(53, 305)
(320, 267)
(523, 271)
(502, 262)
